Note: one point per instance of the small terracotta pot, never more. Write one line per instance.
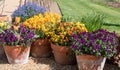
(4, 18)
(61, 54)
(41, 48)
(89, 62)
(17, 54)
(2, 53)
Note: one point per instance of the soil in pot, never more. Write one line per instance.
(89, 62)
(41, 48)
(17, 54)
(62, 55)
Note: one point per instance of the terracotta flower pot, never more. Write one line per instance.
(41, 48)
(2, 53)
(4, 18)
(61, 54)
(17, 54)
(89, 62)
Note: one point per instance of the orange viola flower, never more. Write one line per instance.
(15, 27)
(17, 19)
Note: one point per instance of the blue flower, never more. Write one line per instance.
(28, 10)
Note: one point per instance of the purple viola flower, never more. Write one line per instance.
(75, 36)
(99, 43)
(22, 36)
(74, 46)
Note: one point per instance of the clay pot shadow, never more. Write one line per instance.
(3, 60)
(53, 65)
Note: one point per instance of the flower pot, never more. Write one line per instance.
(89, 62)
(4, 18)
(17, 54)
(41, 48)
(2, 53)
(61, 54)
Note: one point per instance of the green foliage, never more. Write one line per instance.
(39, 34)
(82, 7)
(67, 19)
(93, 21)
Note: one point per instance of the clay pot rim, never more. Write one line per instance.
(59, 45)
(40, 39)
(88, 56)
(59, 48)
(3, 15)
(16, 46)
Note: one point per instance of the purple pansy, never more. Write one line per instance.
(22, 36)
(98, 43)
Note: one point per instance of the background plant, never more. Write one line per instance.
(93, 21)
(27, 10)
(97, 43)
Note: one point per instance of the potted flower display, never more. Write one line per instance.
(17, 43)
(43, 26)
(3, 26)
(92, 48)
(26, 11)
(61, 42)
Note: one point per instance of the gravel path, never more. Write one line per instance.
(43, 64)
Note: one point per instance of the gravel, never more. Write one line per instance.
(43, 64)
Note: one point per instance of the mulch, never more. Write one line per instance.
(44, 64)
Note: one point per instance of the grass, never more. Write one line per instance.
(79, 8)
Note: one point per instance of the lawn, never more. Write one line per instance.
(79, 8)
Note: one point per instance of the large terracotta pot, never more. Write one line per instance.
(4, 18)
(62, 54)
(89, 62)
(41, 48)
(1, 51)
(17, 54)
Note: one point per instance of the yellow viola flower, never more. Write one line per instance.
(2, 24)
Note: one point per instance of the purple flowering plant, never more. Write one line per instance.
(27, 10)
(22, 36)
(97, 43)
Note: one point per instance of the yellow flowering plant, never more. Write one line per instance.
(4, 25)
(64, 30)
(43, 24)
